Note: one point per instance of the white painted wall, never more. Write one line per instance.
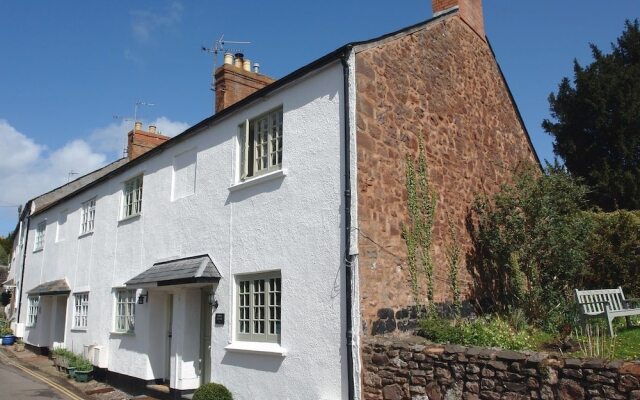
(293, 223)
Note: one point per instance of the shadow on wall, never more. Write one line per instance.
(253, 361)
(488, 280)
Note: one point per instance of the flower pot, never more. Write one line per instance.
(8, 340)
(71, 371)
(82, 376)
(19, 347)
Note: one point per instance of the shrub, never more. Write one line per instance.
(82, 364)
(530, 240)
(5, 330)
(614, 245)
(212, 391)
(488, 331)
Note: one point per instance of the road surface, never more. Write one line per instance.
(16, 384)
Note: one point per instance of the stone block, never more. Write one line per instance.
(570, 390)
(393, 392)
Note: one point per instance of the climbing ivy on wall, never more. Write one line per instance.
(453, 256)
(417, 234)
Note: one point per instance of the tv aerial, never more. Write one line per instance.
(219, 46)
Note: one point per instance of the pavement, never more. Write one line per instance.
(25, 375)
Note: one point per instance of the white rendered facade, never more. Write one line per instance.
(288, 221)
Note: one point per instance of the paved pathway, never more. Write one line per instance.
(16, 384)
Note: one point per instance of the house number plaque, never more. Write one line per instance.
(219, 318)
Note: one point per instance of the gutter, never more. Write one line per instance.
(24, 261)
(347, 223)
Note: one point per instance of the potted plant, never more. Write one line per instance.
(59, 357)
(72, 361)
(83, 371)
(19, 345)
(7, 335)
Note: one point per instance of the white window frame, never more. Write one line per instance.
(132, 197)
(88, 216)
(41, 229)
(261, 144)
(33, 309)
(125, 310)
(80, 310)
(259, 308)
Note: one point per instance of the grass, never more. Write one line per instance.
(512, 333)
(628, 344)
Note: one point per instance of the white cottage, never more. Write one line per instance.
(217, 255)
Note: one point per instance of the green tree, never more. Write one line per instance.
(531, 244)
(6, 245)
(596, 123)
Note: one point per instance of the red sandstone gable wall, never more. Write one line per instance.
(440, 83)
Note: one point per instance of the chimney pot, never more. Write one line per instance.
(152, 129)
(228, 58)
(239, 57)
(236, 81)
(137, 126)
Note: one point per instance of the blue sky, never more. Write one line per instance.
(67, 67)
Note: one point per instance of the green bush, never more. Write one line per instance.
(5, 330)
(614, 247)
(488, 331)
(530, 241)
(212, 391)
(82, 364)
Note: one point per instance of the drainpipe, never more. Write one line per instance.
(24, 260)
(347, 219)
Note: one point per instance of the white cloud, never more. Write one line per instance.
(144, 23)
(16, 150)
(168, 127)
(28, 169)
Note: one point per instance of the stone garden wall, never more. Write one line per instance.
(412, 368)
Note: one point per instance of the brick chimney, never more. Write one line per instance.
(470, 12)
(235, 80)
(139, 141)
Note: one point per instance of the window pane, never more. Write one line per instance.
(125, 310)
(274, 306)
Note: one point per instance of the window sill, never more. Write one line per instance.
(38, 250)
(269, 349)
(80, 330)
(85, 234)
(123, 333)
(256, 180)
(129, 218)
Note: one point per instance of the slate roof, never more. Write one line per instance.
(47, 199)
(196, 269)
(59, 286)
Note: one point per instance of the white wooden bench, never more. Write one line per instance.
(608, 302)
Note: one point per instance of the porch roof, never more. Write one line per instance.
(196, 269)
(51, 288)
